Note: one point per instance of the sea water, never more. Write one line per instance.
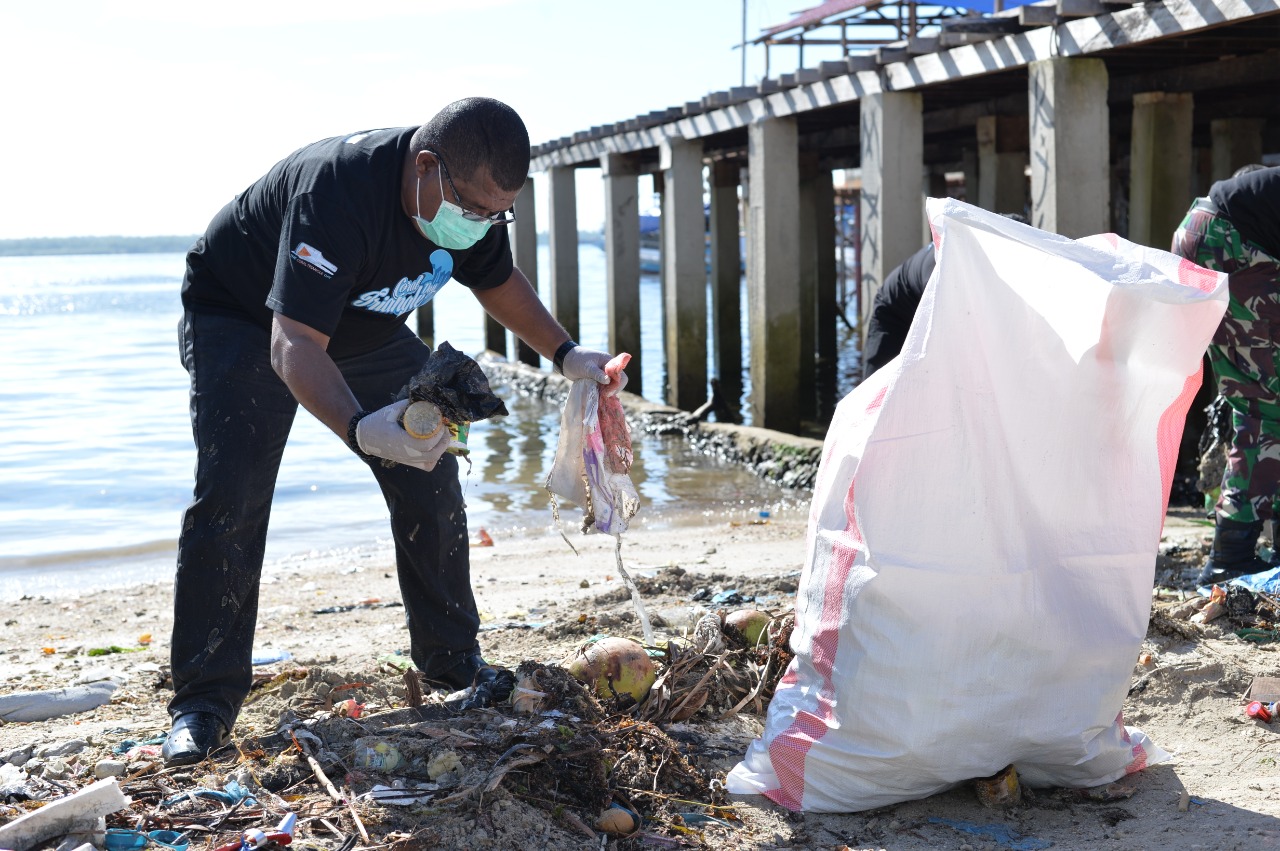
(97, 459)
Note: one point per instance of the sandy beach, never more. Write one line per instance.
(337, 617)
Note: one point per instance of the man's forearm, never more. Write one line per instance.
(313, 379)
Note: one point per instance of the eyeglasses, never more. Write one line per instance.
(470, 215)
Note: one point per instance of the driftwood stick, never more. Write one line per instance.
(364, 834)
(329, 787)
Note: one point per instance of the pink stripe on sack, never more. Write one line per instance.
(1191, 275)
(1169, 434)
(1139, 760)
(789, 749)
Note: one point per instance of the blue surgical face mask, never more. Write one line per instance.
(448, 229)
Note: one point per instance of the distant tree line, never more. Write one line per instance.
(95, 245)
(150, 244)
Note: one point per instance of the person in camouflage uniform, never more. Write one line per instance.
(1236, 230)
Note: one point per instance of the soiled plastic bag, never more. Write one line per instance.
(593, 457)
(983, 534)
(455, 384)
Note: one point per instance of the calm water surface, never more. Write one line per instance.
(96, 456)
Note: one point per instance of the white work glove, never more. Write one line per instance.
(381, 434)
(581, 362)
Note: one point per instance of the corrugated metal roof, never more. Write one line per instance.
(815, 15)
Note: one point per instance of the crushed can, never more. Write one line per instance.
(1000, 789)
(1260, 711)
(458, 438)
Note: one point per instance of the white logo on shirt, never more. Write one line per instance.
(313, 260)
(410, 294)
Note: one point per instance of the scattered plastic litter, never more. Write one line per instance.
(231, 793)
(267, 656)
(402, 796)
(124, 839)
(703, 818)
(998, 833)
(72, 814)
(128, 745)
(55, 703)
(108, 650)
(170, 839)
(491, 686)
(255, 838)
(13, 784)
(1260, 711)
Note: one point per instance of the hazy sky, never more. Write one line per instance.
(141, 117)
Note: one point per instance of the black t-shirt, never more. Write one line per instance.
(323, 239)
(894, 307)
(1252, 203)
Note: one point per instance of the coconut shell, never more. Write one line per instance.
(614, 665)
(750, 622)
(617, 821)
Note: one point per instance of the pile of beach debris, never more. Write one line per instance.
(573, 755)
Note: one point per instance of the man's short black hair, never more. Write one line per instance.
(475, 132)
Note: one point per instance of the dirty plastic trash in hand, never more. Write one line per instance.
(593, 457)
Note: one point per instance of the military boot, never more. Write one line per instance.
(1234, 552)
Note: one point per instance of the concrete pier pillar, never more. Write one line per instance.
(562, 201)
(426, 323)
(773, 280)
(969, 168)
(524, 251)
(622, 260)
(1069, 127)
(1159, 166)
(806, 365)
(892, 203)
(1236, 142)
(824, 232)
(726, 279)
(1002, 163)
(495, 335)
(684, 269)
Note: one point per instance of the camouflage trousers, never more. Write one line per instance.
(1245, 355)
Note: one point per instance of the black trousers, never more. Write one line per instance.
(241, 413)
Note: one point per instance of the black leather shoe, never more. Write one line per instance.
(460, 675)
(193, 737)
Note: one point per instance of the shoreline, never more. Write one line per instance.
(787, 461)
(338, 618)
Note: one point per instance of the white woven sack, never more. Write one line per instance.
(983, 534)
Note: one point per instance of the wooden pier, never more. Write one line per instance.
(1120, 113)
